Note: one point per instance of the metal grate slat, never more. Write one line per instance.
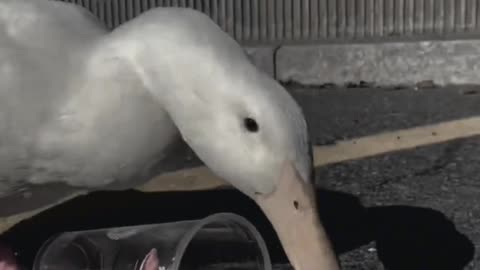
(267, 21)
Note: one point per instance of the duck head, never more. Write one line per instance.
(239, 121)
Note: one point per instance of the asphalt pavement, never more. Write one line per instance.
(414, 209)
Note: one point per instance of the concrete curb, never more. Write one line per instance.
(384, 64)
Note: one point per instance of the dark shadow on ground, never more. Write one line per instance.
(407, 237)
(418, 238)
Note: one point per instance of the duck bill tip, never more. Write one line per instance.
(291, 209)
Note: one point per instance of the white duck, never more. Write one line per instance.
(82, 108)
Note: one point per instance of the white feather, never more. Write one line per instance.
(92, 109)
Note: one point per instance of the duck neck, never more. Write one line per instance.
(183, 76)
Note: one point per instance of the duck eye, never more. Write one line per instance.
(250, 124)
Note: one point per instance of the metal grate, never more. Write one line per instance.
(271, 21)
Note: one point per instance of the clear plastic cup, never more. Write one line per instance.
(220, 241)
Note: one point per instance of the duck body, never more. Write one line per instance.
(69, 117)
(84, 109)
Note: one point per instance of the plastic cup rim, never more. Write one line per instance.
(236, 219)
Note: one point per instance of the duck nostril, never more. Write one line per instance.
(295, 204)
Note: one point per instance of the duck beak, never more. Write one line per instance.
(291, 208)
